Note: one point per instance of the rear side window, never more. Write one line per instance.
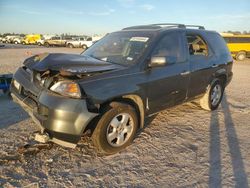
(197, 45)
(171, 47)
(218, 45)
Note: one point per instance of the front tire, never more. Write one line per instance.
(115, 129)
(70, 45)
(212, 98)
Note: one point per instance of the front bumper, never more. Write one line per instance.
(64, 119)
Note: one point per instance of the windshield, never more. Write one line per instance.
(121, 47)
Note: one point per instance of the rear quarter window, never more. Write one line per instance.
(218, 44)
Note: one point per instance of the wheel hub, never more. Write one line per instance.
(120, 129)
(216, 95)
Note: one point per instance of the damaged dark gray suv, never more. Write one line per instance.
(119, 81)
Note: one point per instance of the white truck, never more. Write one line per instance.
(82, 42)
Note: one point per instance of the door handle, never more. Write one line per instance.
(185, 73)
(214, 66)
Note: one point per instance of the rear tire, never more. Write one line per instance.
(115, 129)
(212, 98)
(46, 45)
(241, 56)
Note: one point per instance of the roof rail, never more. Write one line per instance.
(199, 26)
(170, 25)
(162, 25)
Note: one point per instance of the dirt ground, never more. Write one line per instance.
(180, 147)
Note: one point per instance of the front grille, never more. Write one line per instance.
(29, 94)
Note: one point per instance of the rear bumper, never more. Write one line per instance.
(64, 119)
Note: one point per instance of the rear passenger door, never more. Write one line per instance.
(200, 58)
(167, 85)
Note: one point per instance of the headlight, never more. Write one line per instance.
(16, 84)
(67, 88)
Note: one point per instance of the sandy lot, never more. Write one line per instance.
(180, 147)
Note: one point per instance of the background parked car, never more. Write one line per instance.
(87, 43)
(3, 40)
(76, 42)
(90, 41)
(57, 41)
(9, 38)
(31, 39)
(17, 40)
(41, 41)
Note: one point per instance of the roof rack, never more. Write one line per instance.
(163, 25)
(199, 26)
(170, 25)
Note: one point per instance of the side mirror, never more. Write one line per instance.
(157, 61)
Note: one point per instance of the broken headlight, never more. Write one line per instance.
(67, 88)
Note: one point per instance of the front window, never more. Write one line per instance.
(170, 47)
(121, 47)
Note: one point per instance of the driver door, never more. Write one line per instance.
(168, 85)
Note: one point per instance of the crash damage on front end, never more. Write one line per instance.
(47, 88)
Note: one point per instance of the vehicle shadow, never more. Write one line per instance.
(147, 123)
(215, 170)
(10, 112)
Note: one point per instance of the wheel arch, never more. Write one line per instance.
(131, 99)
(223, 78)
(221, 74)
(68, 44)
(241, 51)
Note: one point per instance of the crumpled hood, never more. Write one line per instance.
(72, 63)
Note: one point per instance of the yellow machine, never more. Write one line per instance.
(31, 39)
(239, 45)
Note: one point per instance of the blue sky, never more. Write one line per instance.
(102, 16)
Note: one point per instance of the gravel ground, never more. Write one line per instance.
(180, 147)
